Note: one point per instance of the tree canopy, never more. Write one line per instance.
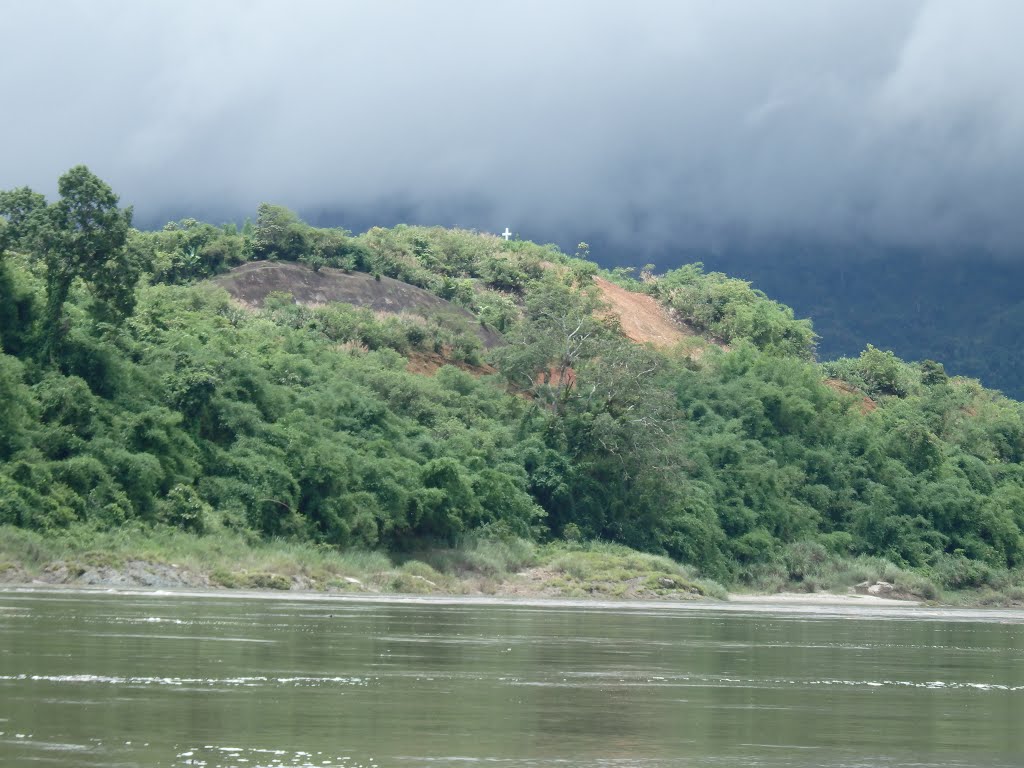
(81, 236)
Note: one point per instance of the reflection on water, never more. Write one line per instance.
(89, 679)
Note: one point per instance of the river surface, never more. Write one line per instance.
(92, 679)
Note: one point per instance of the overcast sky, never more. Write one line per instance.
(899, 121)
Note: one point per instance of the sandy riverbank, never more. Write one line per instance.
(818, 598)
(512, 590)
(812, 606)
(530, 584)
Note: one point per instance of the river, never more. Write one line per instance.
(169, 680)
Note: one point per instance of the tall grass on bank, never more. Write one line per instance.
(502, 565)
(604, 568)
(493, 558)
(808, 566)
(478, 564)
(229, 559)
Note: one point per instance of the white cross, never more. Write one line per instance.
(506, 234)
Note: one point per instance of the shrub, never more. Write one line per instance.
(958, 572)
(185, 509)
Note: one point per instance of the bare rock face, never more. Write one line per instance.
(881, 589)
(132, 573)
(251, 283)
(876, 588)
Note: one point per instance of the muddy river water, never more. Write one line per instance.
(147, 679)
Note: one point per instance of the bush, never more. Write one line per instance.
(805, 558)
(491, 557)
(185, 509)
(957, 572)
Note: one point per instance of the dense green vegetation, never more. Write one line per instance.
(963, 308)
(134, 394)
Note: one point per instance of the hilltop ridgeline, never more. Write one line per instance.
(146, 384)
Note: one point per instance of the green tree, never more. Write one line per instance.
(883, 372)
(279, 234)
(16, 411)
(933, 373)
(558, 332)
(82, 235)
(23, 211)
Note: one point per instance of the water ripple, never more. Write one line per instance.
(211, 756)
(249, 681)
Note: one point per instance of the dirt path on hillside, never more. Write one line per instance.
(642, 318)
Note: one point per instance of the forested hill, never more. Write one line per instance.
(965, 310)
(134, 390)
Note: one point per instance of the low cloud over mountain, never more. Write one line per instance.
(697, 122)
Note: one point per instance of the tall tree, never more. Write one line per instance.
(23, 211)
(82, 235)
(280, 234)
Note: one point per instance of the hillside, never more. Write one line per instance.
(643, 320)
(640, 317)
(963, 308)
(221, 383)
(251, 283)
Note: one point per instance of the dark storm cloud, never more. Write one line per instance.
(698, 121)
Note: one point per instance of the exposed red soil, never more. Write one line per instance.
(866, 405)
(553, 377)
(428, 363)
(642, 319)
